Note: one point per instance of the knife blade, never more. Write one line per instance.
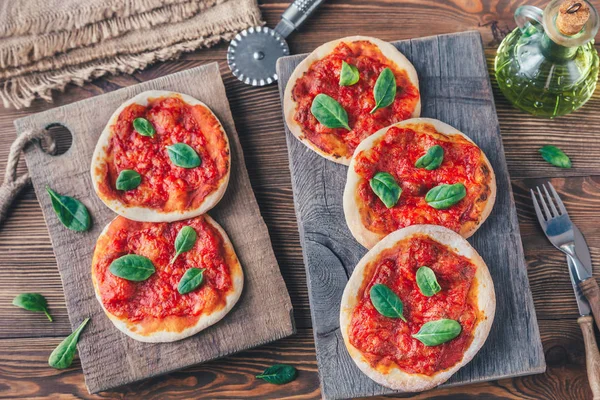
(583, 253)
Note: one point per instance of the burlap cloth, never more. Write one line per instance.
(47, 44)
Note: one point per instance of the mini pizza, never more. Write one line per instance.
(347, 89)
(418, 307)
(161, 282)
(419, 171)
(162, 157)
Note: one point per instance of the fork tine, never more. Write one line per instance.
(561, 205)
(538, 211)
(552, 207)
(546, 211)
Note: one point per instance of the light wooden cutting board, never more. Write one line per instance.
(110, 358)
(455, 88)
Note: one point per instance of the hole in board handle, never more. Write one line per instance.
(62, 137)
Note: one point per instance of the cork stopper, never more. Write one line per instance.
(572, 16)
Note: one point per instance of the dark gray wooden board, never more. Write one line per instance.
(110, 358)
(456, 89)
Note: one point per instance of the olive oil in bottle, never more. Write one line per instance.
(548, 65)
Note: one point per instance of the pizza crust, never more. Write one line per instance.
(486, 301)
(169, 330)
(351, 210)
(290, 105)
(147, 214)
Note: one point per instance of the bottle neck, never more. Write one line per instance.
(556, 52)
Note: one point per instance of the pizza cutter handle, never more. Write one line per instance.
(295, 15)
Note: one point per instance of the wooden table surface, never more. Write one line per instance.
(27, 262)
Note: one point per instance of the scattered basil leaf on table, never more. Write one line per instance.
(349, 74)
(132, 267)
(386, 302)
(385, 187)
(279, 374)
(432, 159)
(329, 112)
(128, 179)
(143, 127)
(185, 240)
(444, 196)
(555, 156)
(190, 280)
(437, 332)
(183, 156)
(62, 356)
(32, 302)
(71, 212)
(384, 91)
(427, 282)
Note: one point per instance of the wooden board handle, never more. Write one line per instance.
(591, 291)
(592, 356)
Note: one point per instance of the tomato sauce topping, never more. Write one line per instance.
(164, 185)
(396, 153)
(388, 342)
(323, 77)
(157, 296)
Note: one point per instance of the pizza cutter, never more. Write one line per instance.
(253, 53)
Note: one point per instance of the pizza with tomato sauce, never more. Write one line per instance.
(156, 290)
(419, 171)
(418, 307)
(163, 156)
(347, 89)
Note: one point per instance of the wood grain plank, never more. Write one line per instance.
(110, 358)
(455, 88)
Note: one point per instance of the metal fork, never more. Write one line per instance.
(560, 231)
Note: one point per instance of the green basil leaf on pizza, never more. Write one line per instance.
(128, 179)
(384, 91)
(432, 159)
(427, 282)
(386, 302)
(144, 127)
(185, 240)
(183, 155)
(191, 280)
(434, 333)
(386, 188)
(329, 112)
(132, 267)
(349, 74)
(445, 196)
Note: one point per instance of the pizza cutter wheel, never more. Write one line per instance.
(253, 53)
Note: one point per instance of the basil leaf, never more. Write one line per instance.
(444, 196)
(329, 112)
(386, 302)
(349, 74)
(128, 179)
(555, 156)
(183, 156)
(132, 267)
(384, 91)
(279, 374)
(32, 302)
(185, 240)
(190, 280)
(71, 212)
(143, 127)
(432, 159)
(385, 187)
(428, 284)
(437, 332)
(62, 356)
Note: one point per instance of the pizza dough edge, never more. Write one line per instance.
(289, 105)
(351, 212)
(146, 214)
(203, 322)
(486, 299)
